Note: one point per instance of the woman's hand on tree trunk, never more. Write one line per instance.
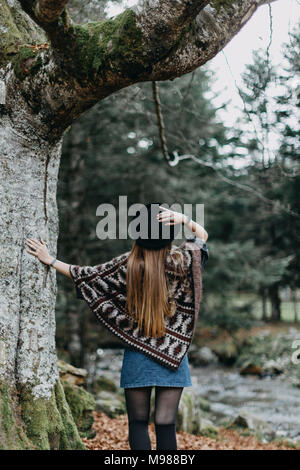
(39, 250)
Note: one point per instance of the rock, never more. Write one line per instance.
(188, 418)
(203, 404)
(202, 357)
(103, 383)
(82, 405)
(255, 424)
(71, 374)
(81, 402)
(227, 352)
(272, 368)
(207, 428)
(249, 368)
(110, 403)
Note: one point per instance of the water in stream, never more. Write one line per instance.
(272, 399)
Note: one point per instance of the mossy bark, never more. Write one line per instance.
(27, 423)
(12, 430)
(82, 404)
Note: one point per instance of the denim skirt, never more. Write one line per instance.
(138, 370)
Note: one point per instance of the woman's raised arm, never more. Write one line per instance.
(169, 217)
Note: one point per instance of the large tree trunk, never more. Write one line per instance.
(28, 366)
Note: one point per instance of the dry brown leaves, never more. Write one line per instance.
(37, 47)
(112, 435)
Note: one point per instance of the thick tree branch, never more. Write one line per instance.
(48, 11)
(156, 40)
(208, 34)
(44, 12)
(163, 20)
(159, 22)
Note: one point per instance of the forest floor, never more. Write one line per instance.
(112, 435)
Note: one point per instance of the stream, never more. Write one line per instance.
(273, 400)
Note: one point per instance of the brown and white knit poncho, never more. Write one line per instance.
(103, 287)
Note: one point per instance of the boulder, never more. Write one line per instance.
(250, 368)
(71, 374)
(81, 402)
(188, 418)
(110, 403)
(190, 415)
(207, 428)
(226, 352)
(82, 405)
(203, 404)
(103, 383)
(202, 357)
(259, 427)
(272, 368)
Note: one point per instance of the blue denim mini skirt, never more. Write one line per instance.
(138, 370)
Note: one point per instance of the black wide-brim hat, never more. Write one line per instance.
(149, 232)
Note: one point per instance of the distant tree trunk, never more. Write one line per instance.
(275, 303)
(264, 304)
(74, 170)
(294, 300)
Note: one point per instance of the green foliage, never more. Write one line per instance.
(228, 316)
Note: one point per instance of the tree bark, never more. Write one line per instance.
(275, 303)
(51, 71)
(28, 366)
(264, 304)
(295, 304)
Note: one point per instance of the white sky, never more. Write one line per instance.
(255, 35)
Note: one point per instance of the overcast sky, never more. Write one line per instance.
(256, 34)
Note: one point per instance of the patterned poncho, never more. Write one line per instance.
(103, 287)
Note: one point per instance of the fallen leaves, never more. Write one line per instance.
(112, 434)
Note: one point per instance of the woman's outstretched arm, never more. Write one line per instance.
(40, 251)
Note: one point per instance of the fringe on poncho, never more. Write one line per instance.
(103, 287)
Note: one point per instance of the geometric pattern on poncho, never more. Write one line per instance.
(103, 287)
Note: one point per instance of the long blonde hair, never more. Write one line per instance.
(147, 289)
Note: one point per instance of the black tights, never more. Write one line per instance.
(138, 409)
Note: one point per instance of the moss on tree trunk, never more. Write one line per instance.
(36, 424)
